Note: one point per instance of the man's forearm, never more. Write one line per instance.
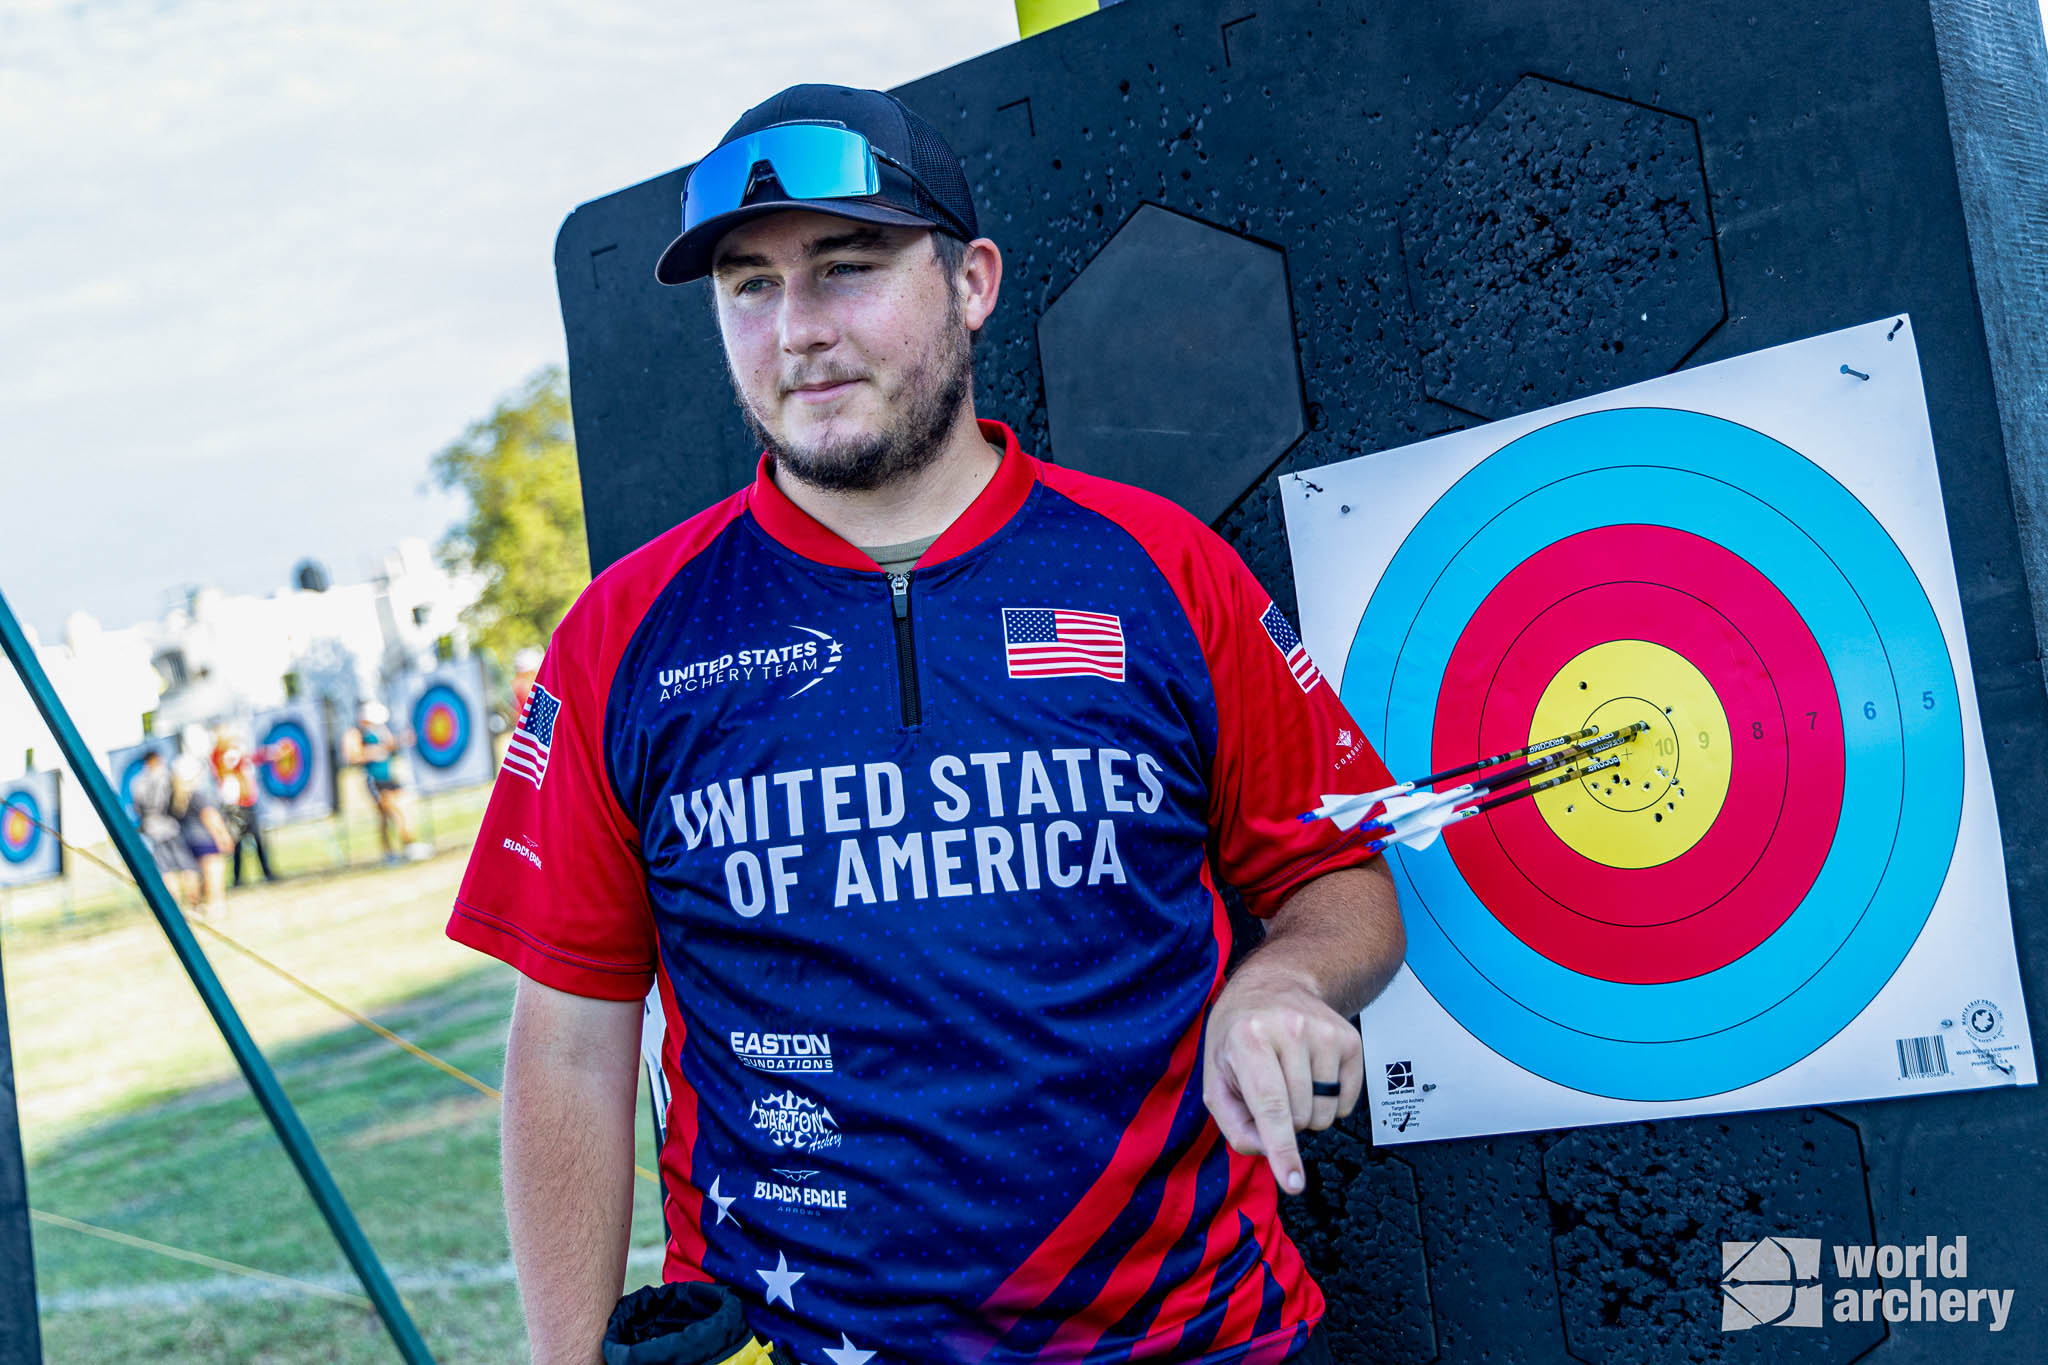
(568, 1153)
(1341, 933)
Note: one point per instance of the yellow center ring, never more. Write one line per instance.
(1668, 789)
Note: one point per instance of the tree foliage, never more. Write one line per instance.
(524, 531)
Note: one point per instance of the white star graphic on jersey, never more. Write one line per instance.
(724, 1202)
(780, 1280)
(847, 1353)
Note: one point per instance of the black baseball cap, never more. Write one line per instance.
(924, 188)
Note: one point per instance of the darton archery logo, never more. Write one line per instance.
(790, 664)
(783, 1051)
(790, 1120)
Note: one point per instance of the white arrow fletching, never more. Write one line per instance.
(1400, 808)
(1347, 811)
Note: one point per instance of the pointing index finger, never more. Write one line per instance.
(1264, 1086)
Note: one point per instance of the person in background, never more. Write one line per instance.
(152, 794)
(205, 832)
(525, 668)
(234, 771)
(373, 745)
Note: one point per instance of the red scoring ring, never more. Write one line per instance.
(1741, 832)
(1646, 925)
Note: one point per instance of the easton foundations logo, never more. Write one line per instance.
(1772, 1283)
(783, 1051)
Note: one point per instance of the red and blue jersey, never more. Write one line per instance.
(926, 867)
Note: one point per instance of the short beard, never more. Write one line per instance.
(905, 447)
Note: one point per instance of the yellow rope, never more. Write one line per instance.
(323, 997)
(197, 1258)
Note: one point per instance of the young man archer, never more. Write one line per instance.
(933, 756)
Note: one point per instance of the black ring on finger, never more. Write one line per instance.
(1327, 1089)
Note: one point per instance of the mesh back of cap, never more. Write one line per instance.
(938, 168)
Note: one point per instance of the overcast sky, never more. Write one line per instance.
(260, 259)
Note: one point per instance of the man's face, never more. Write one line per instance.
(846, 345)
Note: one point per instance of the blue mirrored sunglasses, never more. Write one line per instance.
(810, 161)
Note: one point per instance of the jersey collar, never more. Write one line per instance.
(990, 511)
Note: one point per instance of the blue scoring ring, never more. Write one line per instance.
(1855, 590)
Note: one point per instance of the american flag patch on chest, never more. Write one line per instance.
(1052, 642)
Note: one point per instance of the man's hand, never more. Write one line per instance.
(1271, 1038)
(1282, 1023)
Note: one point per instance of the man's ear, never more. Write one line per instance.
(979, 281)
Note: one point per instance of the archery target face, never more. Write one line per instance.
(21, 831)
(30, 847)
(441, 719)
(1741, 887)
(294, 771)
(447, 719)
(289, 770)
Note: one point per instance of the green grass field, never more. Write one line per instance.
(135, 1118)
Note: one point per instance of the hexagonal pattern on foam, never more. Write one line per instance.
(1563, 246)
(1639, 1213)
(1170, 362)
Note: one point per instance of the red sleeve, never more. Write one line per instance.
(555, 885)
(1283, 739)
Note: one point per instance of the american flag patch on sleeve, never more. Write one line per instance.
(527, 754)
(1281, 632)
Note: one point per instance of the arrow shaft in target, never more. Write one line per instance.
(1523, 752)
(1571, 775)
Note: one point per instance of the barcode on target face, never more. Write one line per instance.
(1920, 1057)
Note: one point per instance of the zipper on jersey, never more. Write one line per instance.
(906, 650)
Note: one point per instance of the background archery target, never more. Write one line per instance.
(286, 766)
(1722, 905)
(442, 721)
(295, 777)
(29, 813)
(451, 741)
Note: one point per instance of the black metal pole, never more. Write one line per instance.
(290, 1131)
